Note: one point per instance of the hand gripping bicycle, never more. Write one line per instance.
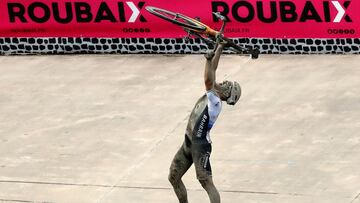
(198, 29)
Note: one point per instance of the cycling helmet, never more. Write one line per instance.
(235, 93)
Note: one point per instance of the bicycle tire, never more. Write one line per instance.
(172, 17)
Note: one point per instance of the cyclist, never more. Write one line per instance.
(197, 145)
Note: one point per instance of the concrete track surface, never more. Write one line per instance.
(104, 128)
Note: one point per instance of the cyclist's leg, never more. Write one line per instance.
(180, 164)
(211, 190)
(201, 155)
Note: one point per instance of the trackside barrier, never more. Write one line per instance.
(115, 26)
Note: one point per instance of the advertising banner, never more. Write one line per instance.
(129, 19)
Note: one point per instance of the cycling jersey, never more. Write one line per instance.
(214, 107)
(207, 118)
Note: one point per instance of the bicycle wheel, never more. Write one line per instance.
(177, 19)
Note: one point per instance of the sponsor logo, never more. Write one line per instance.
(136, 30)
(341, 31)
(206, 160)
(81, 12)
(284, 11)
(201, 126)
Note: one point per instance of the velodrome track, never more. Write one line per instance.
(104, 128)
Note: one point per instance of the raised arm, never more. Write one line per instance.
(212, 61)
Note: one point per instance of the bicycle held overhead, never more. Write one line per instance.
(208, 35)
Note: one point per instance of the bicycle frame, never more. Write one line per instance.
(198, 29)
(215, 34)
(208, 31)
(219, 34)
